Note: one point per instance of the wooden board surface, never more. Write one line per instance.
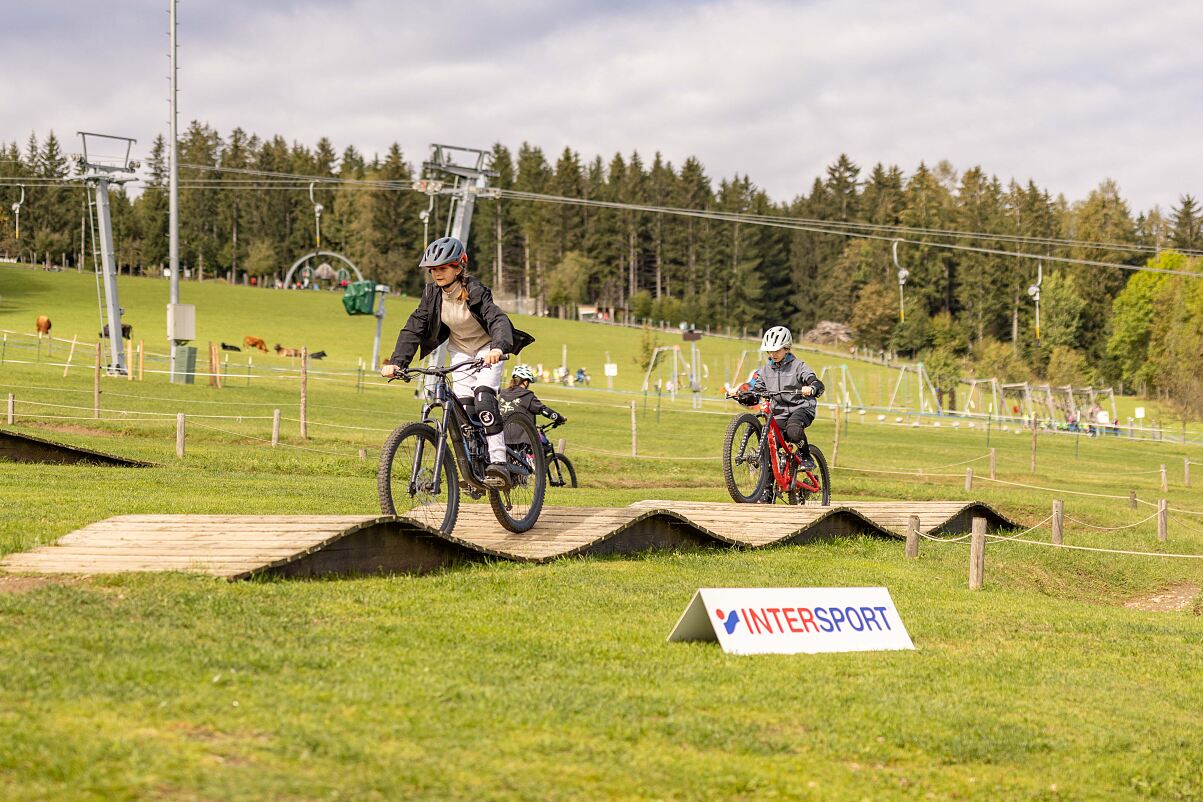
(236, 546)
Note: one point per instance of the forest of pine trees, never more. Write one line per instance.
(966, 312)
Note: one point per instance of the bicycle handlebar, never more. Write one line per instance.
(405, 373)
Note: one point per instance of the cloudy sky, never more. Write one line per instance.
(1066, 93)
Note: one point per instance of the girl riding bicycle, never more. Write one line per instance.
(458, 309)
(794, 386)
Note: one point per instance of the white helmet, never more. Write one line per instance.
(776, 337)
(524, 373)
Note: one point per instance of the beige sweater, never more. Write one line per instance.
(467, 336)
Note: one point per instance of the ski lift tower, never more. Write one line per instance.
(463, 175)
(99, 175)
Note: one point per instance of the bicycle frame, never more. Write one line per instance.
(773, 443)
(457, 434)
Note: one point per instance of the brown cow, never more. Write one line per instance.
(282, 351)
(254, 342)
(43, 324)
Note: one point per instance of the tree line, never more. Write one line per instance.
(965, 311)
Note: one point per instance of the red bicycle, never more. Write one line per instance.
(759, 465)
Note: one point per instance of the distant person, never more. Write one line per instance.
(794, 409)
(582, 376)
(518, 397)
(458, 309)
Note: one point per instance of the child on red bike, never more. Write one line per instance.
(519, 397)
(784, 373)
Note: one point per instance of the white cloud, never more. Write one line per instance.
(1065, 94)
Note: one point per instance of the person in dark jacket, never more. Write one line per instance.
(519, 397)
(799, 387)
(458, 309)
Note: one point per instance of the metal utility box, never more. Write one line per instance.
(181, 322)
(360, 298)
(185, 364)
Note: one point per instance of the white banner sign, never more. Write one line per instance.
(793, 620)
(610, 369)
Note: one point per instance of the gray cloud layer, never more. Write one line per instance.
(1066, 94)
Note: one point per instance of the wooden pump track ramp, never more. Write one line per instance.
(20, 447)
(242, 546)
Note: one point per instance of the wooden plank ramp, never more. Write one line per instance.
(242, 546)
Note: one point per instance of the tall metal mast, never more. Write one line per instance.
(173, 192)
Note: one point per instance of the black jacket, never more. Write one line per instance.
(425, 331)
(524, 399)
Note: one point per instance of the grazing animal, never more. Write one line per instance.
(127, 329)
(255, 342)
(228, 347)
(43, 324)
(318, 355)
(282, 351)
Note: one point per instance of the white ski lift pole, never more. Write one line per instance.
(1034, 291)
(317, 216)
(903, 273)
(17, 212)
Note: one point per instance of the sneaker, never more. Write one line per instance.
(766, 497)
(808, 464)
(497, 476)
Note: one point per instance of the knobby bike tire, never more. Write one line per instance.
(394, 478)
(528, 472)
(557, 467)
(823, 497)
(744, 434)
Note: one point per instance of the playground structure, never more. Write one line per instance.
(693, 369)
(243, 546)
(1027, 401)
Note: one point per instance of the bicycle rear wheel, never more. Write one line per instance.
(743, 469)
(820, 474)
(518, 508)
(405, 478)
(560, 469)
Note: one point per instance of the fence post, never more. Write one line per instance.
(1034, 445)
(992, 457)
(12, 409)
(835, 448)
(1186, 471)
(1058, 521)
(1164, 482)
(3, 347)
(1132, 499)
(1163, 525)
(363, 455)
(179, 434)
(560, 446)
(275, 427)
(141, 359)
(968, 479)
(304, 392)
(977, 554)
(634, 451)
(96, 385)
(70, 354)
(129, 360)
(912, 536)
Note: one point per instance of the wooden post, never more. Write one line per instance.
(977, 554)
(835, 447)
(3, 347)
(275, 427)
(1186, 471)
(1132, 499)
(179, 434)
(912, 536)
(1164, 482)
(992, 463)
(634, 451)
(560, 446)
(304, 392)
(212, 366)
(141, 359)
(1163, 524)
(968, 480)
(1033, 445)
(129, 360)
(363, 455)
(70, 354)
(96, 385)
(250, 363)
(1058, 521)
(12, 409)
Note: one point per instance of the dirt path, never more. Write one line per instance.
(1166, 600)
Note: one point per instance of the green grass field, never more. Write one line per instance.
(505, 681)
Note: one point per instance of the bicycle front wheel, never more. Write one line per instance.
(802, 482)
(518, 508)
(743, 468)
(406, 481)
(560, 469)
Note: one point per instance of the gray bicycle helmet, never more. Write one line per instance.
(444, 251)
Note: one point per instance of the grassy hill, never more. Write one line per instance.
(554, 682)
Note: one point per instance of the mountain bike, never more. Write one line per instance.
(560, 472)
(760, 465)
(417, 476)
